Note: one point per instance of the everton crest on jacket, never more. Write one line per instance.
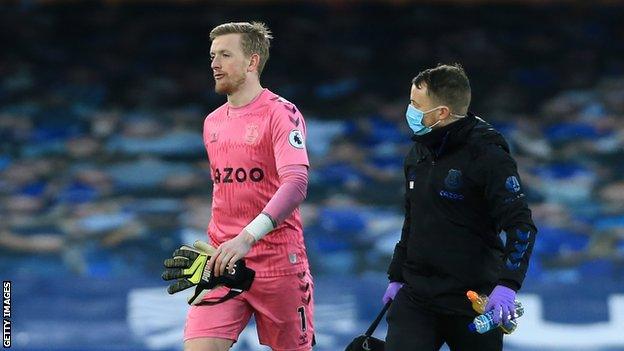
(467, 225)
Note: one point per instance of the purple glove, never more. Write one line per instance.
(501, 300)
(391, 291)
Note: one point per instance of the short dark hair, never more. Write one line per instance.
(448, 85)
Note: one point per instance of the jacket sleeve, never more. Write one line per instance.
(507, 206)
(395, 271)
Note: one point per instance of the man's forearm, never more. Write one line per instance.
(290, 194)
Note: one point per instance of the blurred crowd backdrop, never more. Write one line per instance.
(103, 171)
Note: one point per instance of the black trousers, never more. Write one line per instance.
(413, 328)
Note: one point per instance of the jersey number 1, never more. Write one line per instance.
(302, 316)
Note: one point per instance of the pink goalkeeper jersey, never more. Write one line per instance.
(246, 146)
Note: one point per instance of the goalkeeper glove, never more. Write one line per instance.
(189, 267)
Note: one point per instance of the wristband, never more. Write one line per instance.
(260, 226)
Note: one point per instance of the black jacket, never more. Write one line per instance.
(462, 190)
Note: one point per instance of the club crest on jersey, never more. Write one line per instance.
(295, 138)
(251, 133)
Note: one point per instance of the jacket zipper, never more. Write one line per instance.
(430, 175)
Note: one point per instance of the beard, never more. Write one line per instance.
(229, 85)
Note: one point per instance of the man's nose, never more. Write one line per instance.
(215, 63)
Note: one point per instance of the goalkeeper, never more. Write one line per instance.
(259, 166)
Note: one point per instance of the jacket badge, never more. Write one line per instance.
(453, 180)
(512, 184)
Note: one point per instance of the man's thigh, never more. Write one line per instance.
(410, 327)
(225, 320)
(207, 344)
(459, 338)
(284, 311)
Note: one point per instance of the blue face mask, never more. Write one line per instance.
(415, 120)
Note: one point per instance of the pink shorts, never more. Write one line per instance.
(282, 306)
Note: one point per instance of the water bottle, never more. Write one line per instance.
(485, 321)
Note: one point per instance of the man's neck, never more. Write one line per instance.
(245, 94)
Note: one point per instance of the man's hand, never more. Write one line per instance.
(501, 300)
(229, 252)
(391, 291)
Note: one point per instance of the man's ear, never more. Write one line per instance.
(444, 112)
(254, 63)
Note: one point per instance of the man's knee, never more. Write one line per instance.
(207, 344)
